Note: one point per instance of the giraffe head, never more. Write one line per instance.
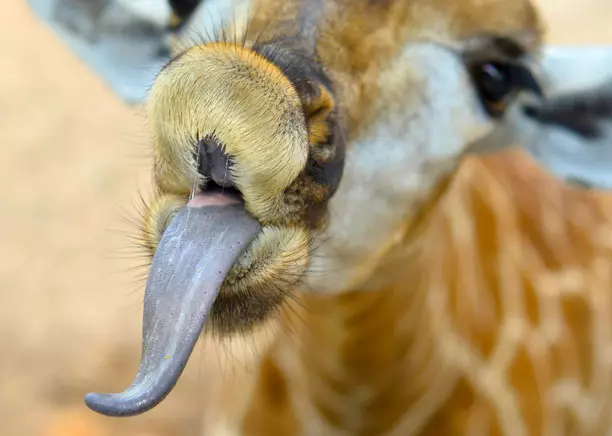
(295, 150)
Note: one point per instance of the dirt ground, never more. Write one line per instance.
(72, 160)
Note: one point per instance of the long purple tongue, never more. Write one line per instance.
(194, 255)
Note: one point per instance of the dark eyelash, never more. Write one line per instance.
(492, 48)
(509, 47)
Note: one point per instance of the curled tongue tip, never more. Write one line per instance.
(102, 403)
(196, 252)
(145, 393)
(111, 405)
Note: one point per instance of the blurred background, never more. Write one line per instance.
(73, 158)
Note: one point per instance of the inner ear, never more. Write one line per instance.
(317, 108)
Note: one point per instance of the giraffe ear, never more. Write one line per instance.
(570, 132)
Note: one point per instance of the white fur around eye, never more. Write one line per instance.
(426, 120)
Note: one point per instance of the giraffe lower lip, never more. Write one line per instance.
(196, 252)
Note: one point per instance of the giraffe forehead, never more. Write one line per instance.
(464, 16)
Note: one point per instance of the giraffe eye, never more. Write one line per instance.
(497, 82)
(494, 81)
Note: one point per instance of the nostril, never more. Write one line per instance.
(214, 163)
(220, 166)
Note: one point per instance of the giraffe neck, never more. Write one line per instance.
(499, 326)
(367, 359)
(360, 362)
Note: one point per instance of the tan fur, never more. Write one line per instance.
(456, 319)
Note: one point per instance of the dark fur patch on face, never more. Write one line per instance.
(236, 312)
(302, 69)
(306, 199)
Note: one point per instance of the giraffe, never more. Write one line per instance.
(330, 173)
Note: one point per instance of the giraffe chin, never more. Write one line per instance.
(195, 254)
